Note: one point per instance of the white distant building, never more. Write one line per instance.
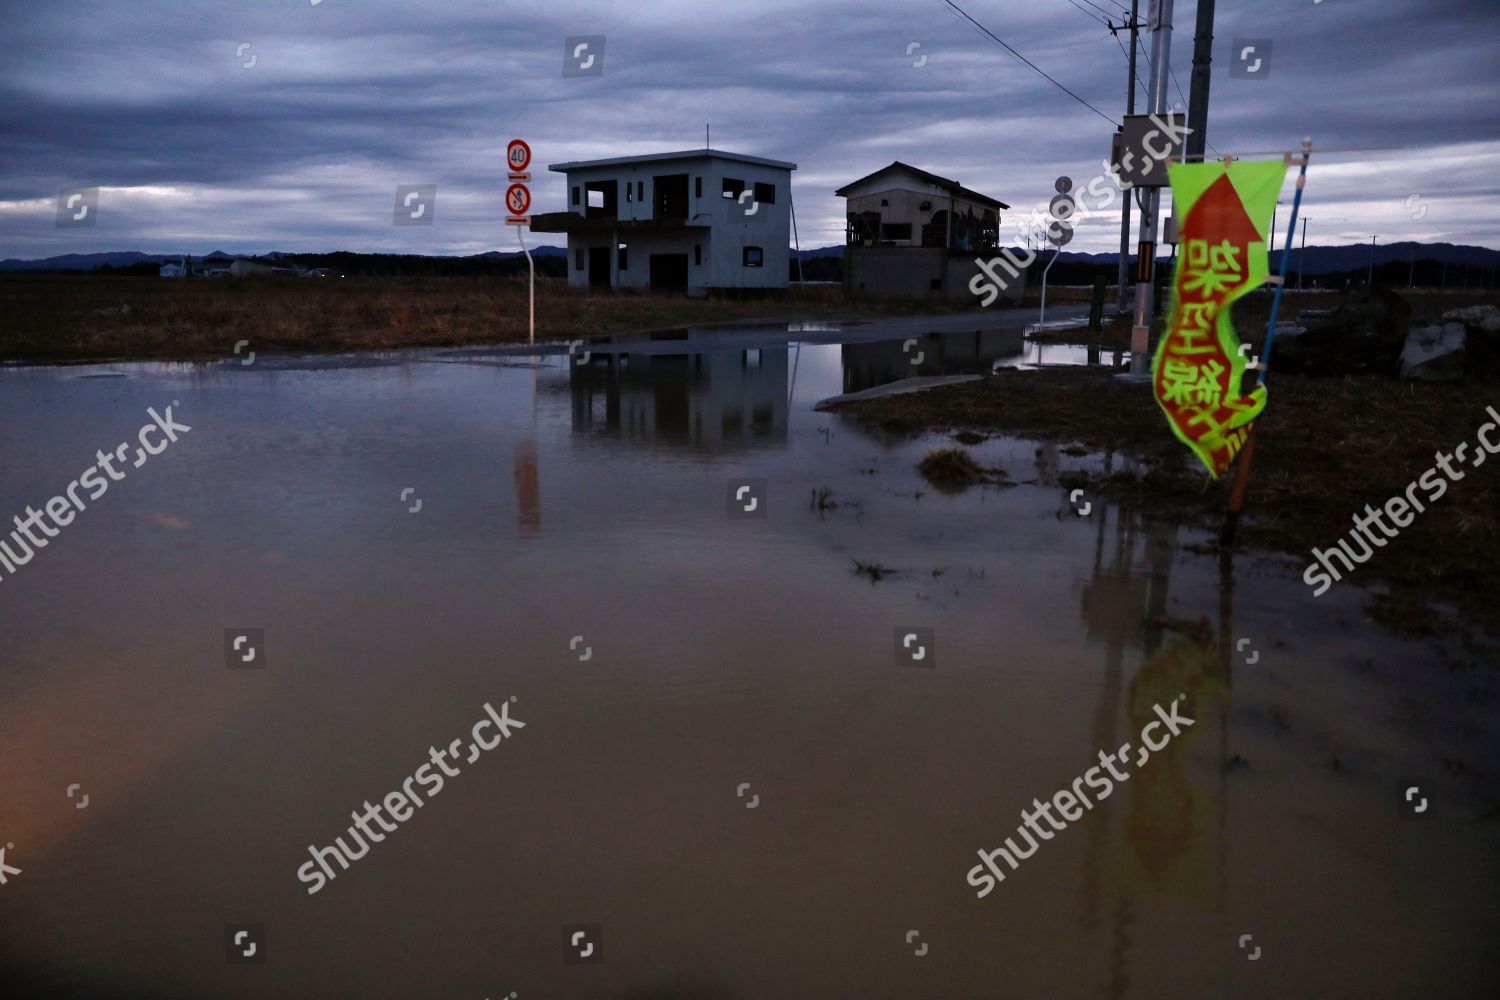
(695, 220)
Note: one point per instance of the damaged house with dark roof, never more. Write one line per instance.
(913, 234)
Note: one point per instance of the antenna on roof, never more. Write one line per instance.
(706, 143)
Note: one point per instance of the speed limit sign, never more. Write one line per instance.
(518, 155)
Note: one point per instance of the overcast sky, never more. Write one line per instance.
(287, 124)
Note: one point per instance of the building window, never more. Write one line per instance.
(629, 192)
(596, 198)
(697, 254)
(895, 231)
(733, 187)
(575, 194)
(765, 194)
(697, 187)
(885, 203)
(754, 257)
(640, 191)
(624, 259)
(578, 256)
(936, 284)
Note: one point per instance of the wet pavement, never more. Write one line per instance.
(733, 773)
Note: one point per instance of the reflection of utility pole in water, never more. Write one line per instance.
(1109, 613)
(1123, 605)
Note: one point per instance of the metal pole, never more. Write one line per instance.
(795, 242)
(1370, 278)
(1124, 275)
(1247, 454)
(1041, 319)
(1140, 333)
(531, 296)
(1302, 255)
(1286, 252)
(1203, 47)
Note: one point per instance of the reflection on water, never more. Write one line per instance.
(714, 400)
(582, 506)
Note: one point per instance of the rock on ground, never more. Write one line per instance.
(1434, 353)
(1367, 333)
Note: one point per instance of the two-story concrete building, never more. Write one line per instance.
(696, 220)
(913, 234)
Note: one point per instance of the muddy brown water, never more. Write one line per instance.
(726, 764)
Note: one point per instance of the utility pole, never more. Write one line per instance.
(1203, 50)
(1124, 275)
(1161, 53)
(1370, 279)
(1302, 255)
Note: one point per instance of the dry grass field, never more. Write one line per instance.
(87, 317)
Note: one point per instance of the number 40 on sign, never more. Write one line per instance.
(518, 194)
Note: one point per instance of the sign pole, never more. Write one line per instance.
(1041, 320)
(531, 296)
(1247, 454)
(1059, 232)
(518, 205)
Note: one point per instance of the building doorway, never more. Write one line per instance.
(671, 196)
(599, 267)
(669, 271)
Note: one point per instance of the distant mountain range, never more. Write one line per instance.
(1319, 260)
(1350, 257)
(126, 258)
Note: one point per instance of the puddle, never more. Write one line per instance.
(567, 505)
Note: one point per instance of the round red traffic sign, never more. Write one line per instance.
(518, 199)
(518, 155)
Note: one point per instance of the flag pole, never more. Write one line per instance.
(1247, 453)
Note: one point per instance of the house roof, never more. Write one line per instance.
(931, 178)
(685, 154)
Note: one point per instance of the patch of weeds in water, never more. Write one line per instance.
(822, 500)
(1075, 450)
(1075, 480)
(970, 437)
(953, 470)
(875, 571)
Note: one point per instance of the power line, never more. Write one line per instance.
(1123, 8)
(1028, 62)
(1089, 14)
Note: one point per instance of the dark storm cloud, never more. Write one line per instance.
(303, 149)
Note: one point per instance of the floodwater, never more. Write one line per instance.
(726, 765)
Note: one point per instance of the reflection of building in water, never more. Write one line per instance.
(883, 361)
(709, 399)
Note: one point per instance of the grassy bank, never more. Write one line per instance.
(86, 317)
(1251, 313)
(1327, 447)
